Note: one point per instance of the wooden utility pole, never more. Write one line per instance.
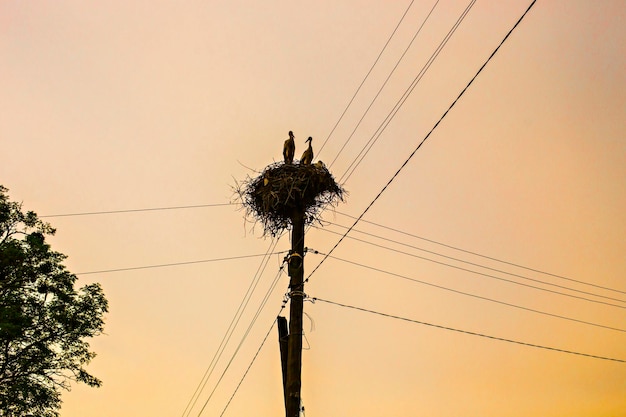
(291, 194)
(296, 294)
(283, 340)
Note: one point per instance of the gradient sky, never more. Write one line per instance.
(122, 105)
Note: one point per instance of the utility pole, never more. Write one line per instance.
(291, 194)
(283, 338)
(296, 294)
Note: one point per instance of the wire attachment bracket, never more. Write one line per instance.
(297, 293)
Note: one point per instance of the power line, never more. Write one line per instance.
(425, 138)
(343, 214)
(419, 30)
(229, 331)
(92, 213)
(315, 299)
(253, 321)
(379, 131)
(441, 287)
(249, 366)
(366, 76)
(460, 260)
(338, 212)
(486, 275)
(481, 255)
(263, 303)
(231, 328)
(134, 268)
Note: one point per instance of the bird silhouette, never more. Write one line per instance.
(307, 156)
(289, 149)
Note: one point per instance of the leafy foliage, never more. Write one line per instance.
(44, 320)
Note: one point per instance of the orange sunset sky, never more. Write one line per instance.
(509, 221)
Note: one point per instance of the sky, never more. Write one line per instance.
(507, 222)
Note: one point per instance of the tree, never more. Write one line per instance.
(44, 320)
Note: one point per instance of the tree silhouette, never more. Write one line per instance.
(44, 320)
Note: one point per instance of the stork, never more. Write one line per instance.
(307, 156)
(289, 149)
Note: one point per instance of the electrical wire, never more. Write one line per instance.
(488, 275)
(482, 256)
(424, 139)
(263, 303)
(480, 297)
(344, 178)
(92, 213)
(366, 77)
(337, 212)
(250, 365)
(459, 260)
(316, 299)
(231, 328)
(134, 268)
(419, 30)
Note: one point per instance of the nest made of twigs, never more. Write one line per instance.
(283, 190)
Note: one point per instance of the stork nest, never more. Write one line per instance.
(282, 190)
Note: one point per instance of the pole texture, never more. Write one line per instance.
(296, 287)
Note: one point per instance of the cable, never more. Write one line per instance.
(133, 268)
(419, 30)
(137, 210)
(491, 276)
(315, 299)
(250, 365)
(263, 303)
(470, 294)
(424, 139)
(338, 212)
(231, 328)
(482, 256)
(366, 76)
(344, 178)
(349, 216)
(459, 260)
